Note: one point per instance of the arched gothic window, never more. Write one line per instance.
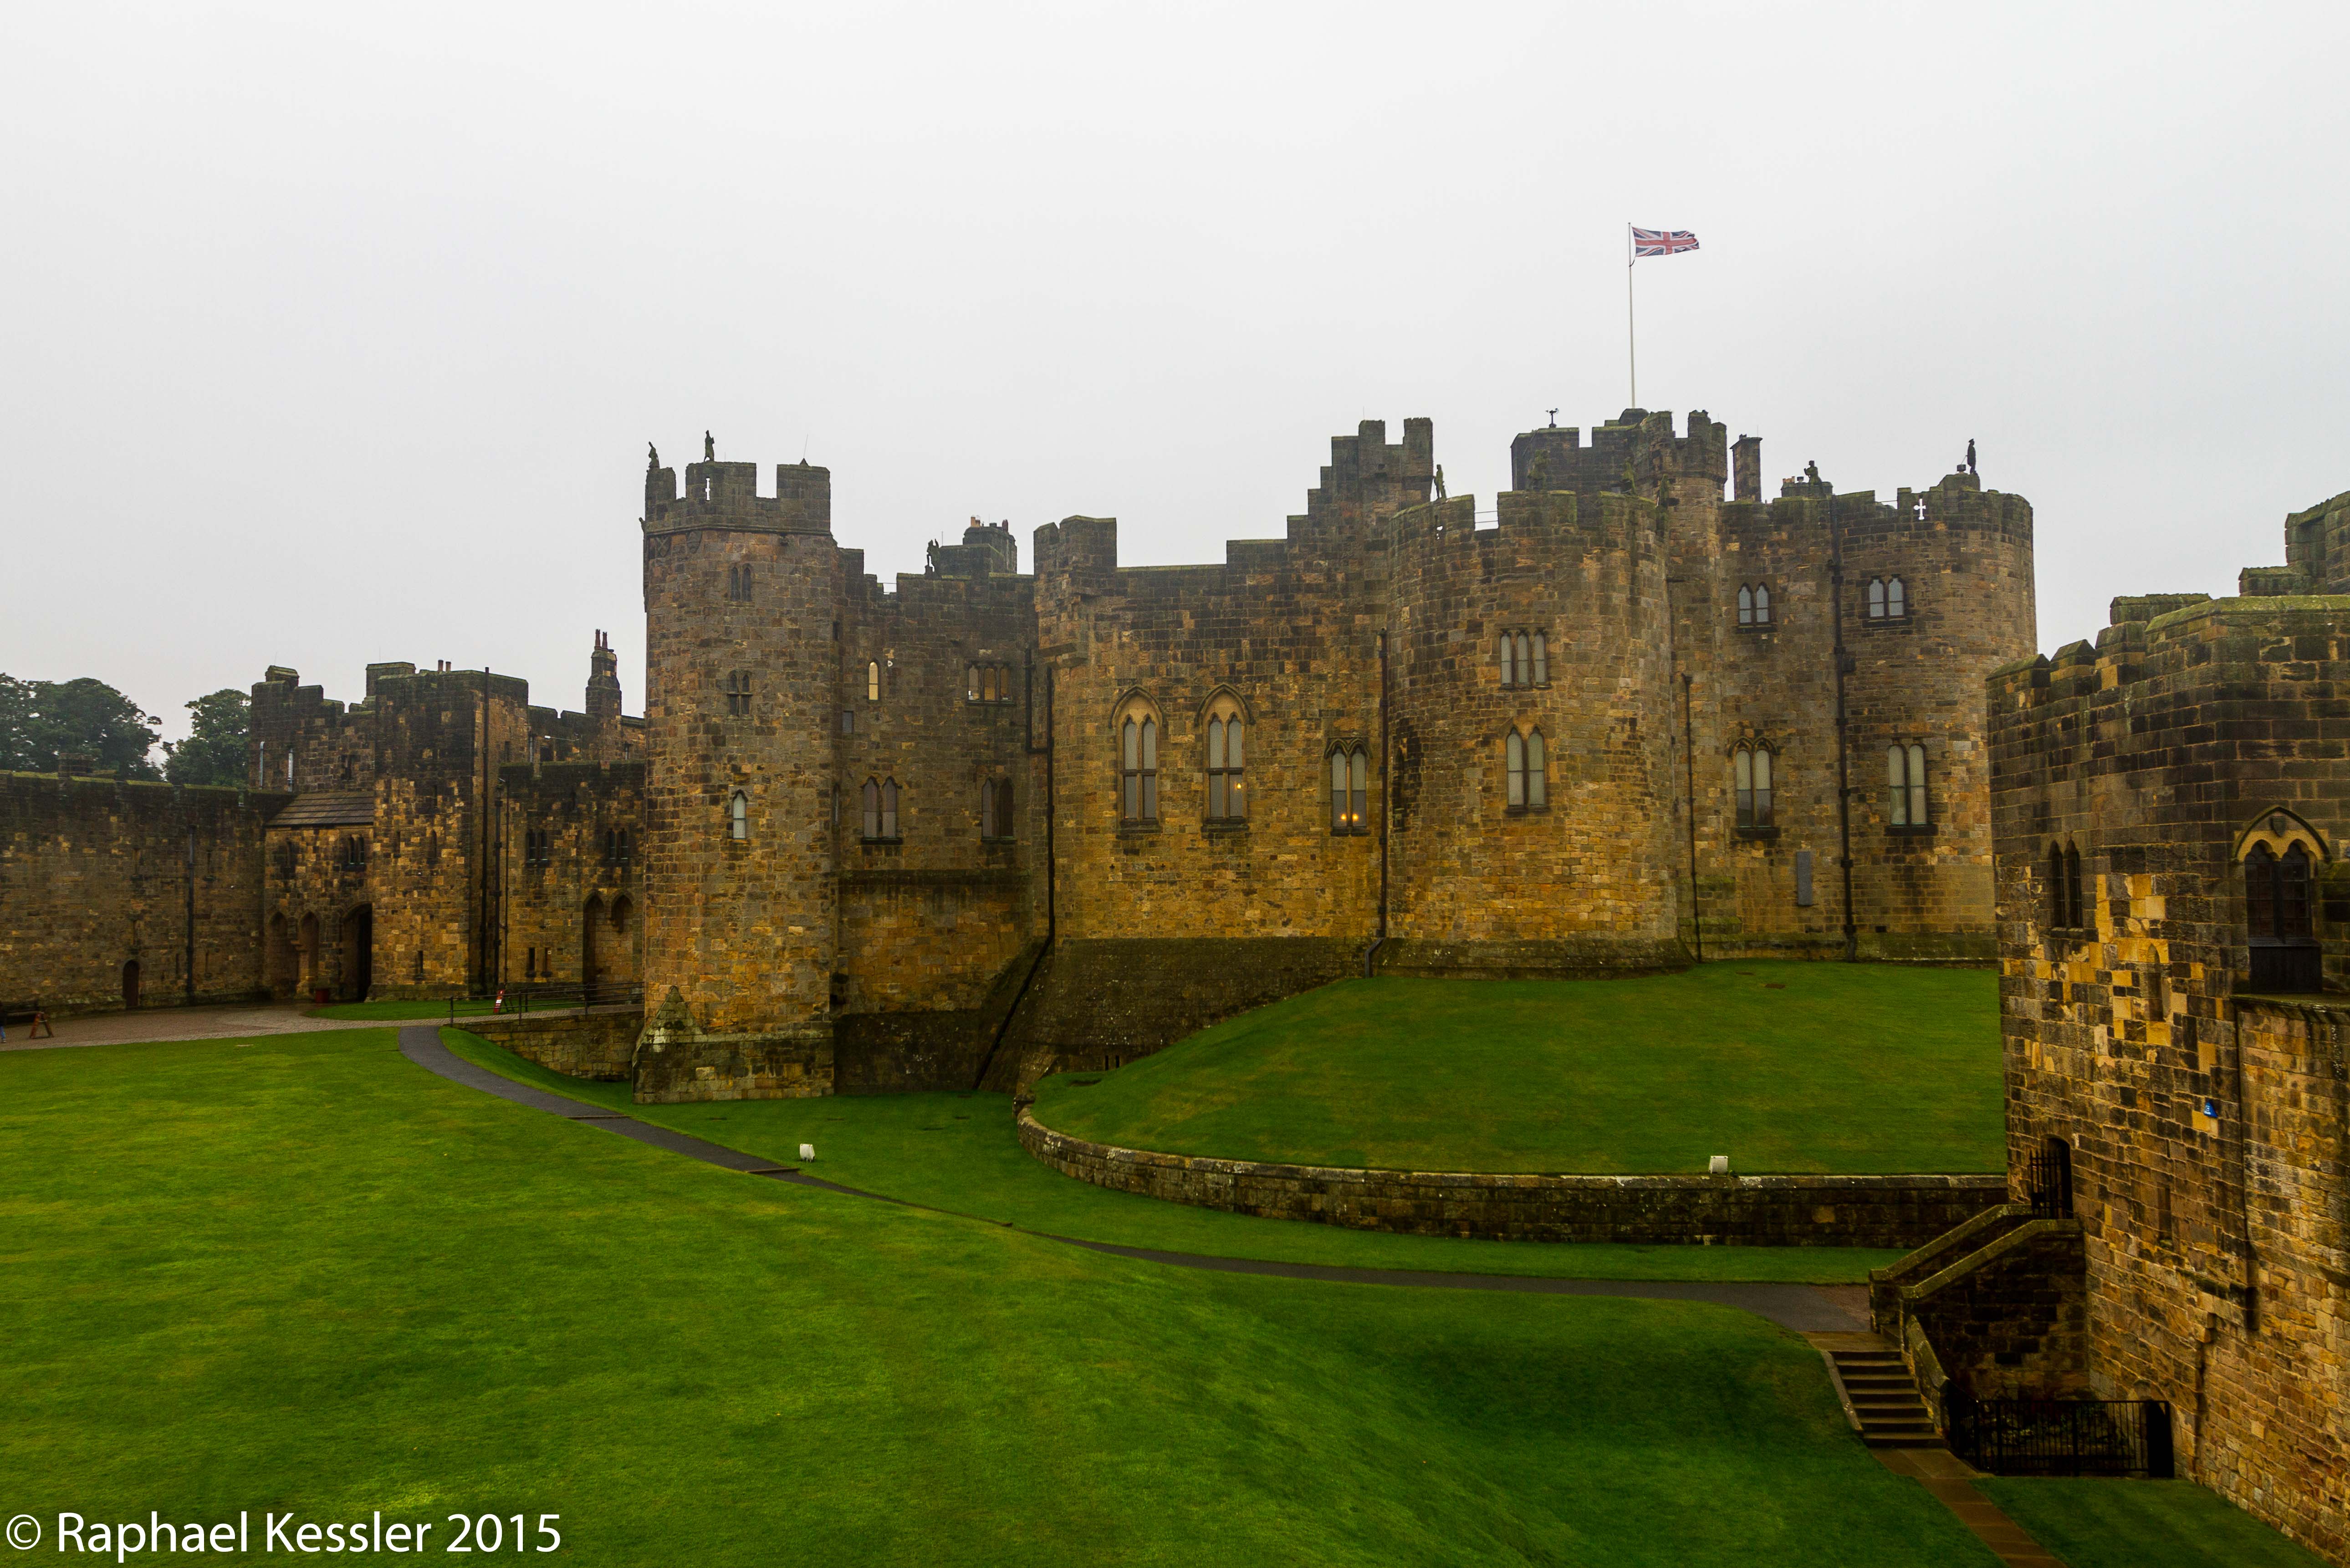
(738, 693)
(1754, 605)
(1137, 753)
(2060, 908)
(738, 815)
(987, 683)
(1227, 794)
(1350, 773)
(1905, 786)
(738, 584)
(880, 809)
(1887, 598)
(2074, 905)
(1524, 760)
(2277, 919)
(873, 680)
(1751, 768)
(1524, 658)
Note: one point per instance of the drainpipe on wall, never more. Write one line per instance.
(1386, 808)
(1029, 685)
(1688, 746)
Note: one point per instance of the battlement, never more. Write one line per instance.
(1635, 450)
(726, 495)
(1368, 479)
(988, 549)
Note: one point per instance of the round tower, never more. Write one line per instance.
(742, 594)
(1533, 826)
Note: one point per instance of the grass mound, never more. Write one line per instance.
(300, 1273)
(958, 1152)
(1785, 1067)
(2143, 1524)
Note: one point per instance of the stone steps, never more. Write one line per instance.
(1884, 1398)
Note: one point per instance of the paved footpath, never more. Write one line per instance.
(242, 1021)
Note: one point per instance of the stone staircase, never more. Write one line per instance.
(1881, 1395)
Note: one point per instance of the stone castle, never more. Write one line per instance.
(994, 823)
(993, 820)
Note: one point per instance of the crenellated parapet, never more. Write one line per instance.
(726, 495)
(1635, 453)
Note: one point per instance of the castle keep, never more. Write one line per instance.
(995, 821)
(986, 821)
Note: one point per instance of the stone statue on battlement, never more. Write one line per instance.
(709, 448)
(1439, 480)
(1969, 466)
(653, 456)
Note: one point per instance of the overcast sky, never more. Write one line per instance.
(336, 334)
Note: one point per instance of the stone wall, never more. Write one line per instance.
(2204, 1122)
(596, 1044)
(2001, 1305)
(1096, 1003)
(1722, 1211)
(570, 872)
(102, 881)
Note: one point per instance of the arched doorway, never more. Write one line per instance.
(591, 917)
(130, 985)
(307, 979)
(358, 953)
(283, 970)
(620, 951)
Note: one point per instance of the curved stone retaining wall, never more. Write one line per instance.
(1902, 1212)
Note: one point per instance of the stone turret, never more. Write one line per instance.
(603, 681)
(742, 593)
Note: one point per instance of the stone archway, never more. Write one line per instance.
(308, 975)
(284, 965)
(619, 946)
(358, 953)
(130, 985)
(591, 941)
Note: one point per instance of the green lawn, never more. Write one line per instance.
(2143, 1524)
(959, 1152)
(302, 1275)
(1845, 1068)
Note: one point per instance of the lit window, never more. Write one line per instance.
(1750, 766)
(1227, 796)
(1349, 779)
(873, 680)
(1905, 786)
(738, 815)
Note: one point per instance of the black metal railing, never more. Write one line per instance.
(2060, 1437)
(548, 997)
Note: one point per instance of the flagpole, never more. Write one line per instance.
(1631, 329)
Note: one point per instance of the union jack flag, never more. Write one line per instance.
(1661, 241)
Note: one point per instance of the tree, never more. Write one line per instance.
(43, 720)
(214, 752)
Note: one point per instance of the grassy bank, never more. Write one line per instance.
(1785, 1067)
(957, 1151)
(300, 1273)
